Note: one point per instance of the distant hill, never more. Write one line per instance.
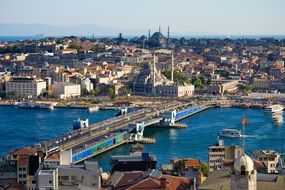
(52, 30)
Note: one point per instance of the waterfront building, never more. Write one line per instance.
(261, 84)
(222, 157)
(85, 176)
(87, 84)
(25, 87)
(222, 86)
(133, 162)
(8, 174)
(269, 157)
(26, 162)
(66, 90)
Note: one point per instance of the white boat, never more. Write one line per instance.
(30, 105)
(93, 109)
(278, 119)
(231, 133)
(276, 108)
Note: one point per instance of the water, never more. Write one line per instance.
(24, 127)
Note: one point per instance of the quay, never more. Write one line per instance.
(95, 139)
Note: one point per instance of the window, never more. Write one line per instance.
(50, 181)
(64, 177)
(20, 168)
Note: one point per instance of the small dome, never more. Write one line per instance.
(243, 163)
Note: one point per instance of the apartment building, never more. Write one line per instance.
(222, 157)
(25, 87)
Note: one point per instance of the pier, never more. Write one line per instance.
(97, 138)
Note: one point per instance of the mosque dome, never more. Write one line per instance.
(243, 164)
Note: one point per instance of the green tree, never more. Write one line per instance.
(74, 46)
(12, 94)
(177, 76)
(197, 83)
(247, 88)
(84, 92)
(179, 167)
(126, 91)
(204, 169)
(111, 93)
(92, 92)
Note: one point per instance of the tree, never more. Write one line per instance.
(111, 93)
(126, 91)
(92, 92)
(179, 167)
(12, 94)
(177, 76)
(204, 169)
(84, 92)
(247, 88)
(197, 83)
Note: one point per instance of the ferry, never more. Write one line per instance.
(93, 109)
(276, 108)
(30, 105)
(231, 133)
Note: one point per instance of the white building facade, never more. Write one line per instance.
(64, 90)
(25, 87)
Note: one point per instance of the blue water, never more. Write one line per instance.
(21, 127)
(24, 127)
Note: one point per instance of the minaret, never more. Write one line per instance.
(148, 34)
(167, 40)
(153, 72)
(172, 68)
(167, 32)
(159, 30)
(153, 75)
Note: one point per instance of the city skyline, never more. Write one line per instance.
(184, 17)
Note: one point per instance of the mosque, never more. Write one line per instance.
(151, 82)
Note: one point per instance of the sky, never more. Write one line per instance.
(217, 17)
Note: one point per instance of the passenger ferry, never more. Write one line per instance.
(277, 108)
(231, 133)
(93, 109)
(31, 105)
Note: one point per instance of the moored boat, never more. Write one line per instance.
(93, 109)
(276, 108)
(31, 105)
(231, 133)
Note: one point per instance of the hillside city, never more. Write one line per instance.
(153, 74)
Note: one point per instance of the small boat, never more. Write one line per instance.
(277, 119)
(31, 105)
(93, 109)
(231, 133)
(277, 108)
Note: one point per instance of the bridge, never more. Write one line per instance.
(87, 142)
